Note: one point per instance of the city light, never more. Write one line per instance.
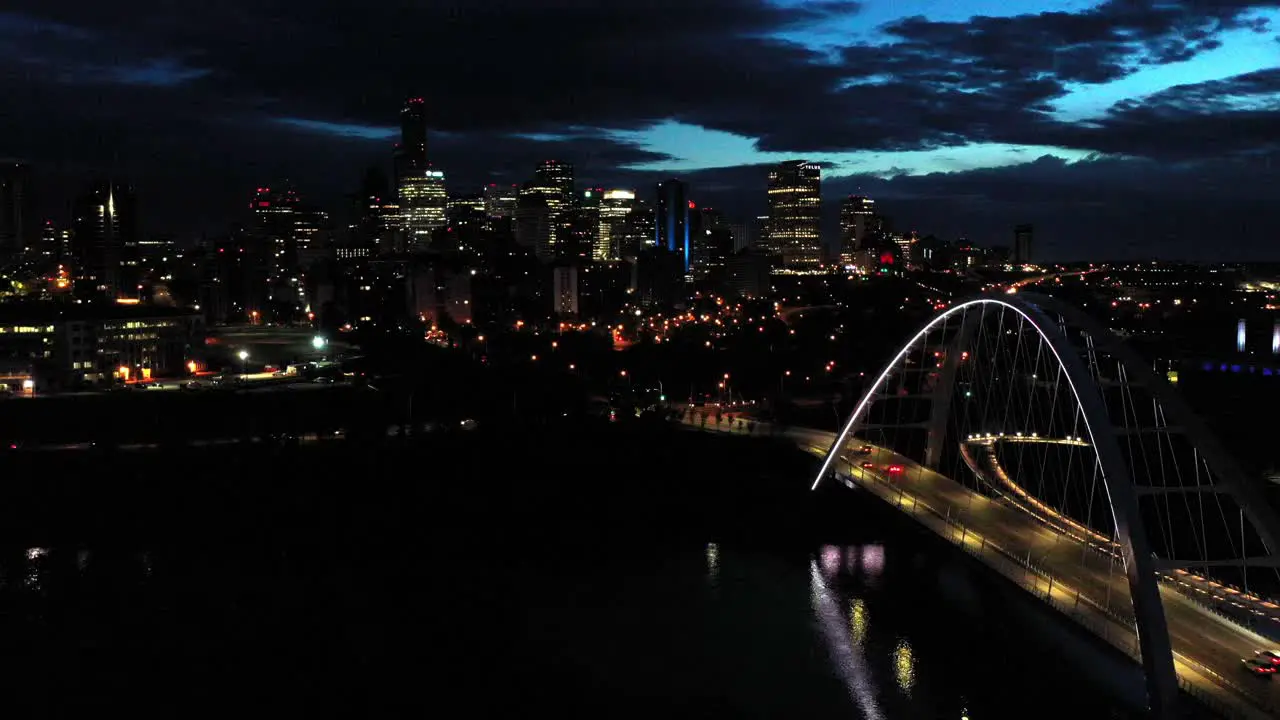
(318, 342)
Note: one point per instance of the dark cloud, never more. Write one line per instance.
(199, 100)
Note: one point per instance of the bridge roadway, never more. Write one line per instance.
(1081, 578)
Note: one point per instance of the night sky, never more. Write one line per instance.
(1126, 128)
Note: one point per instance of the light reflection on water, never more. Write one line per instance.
(713, 564)
(904, 667)
(858, 621)
(845, 651)
(31, 579)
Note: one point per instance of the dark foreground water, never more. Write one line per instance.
(387, 590)
(877, 629)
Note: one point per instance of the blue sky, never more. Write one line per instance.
(696, 148)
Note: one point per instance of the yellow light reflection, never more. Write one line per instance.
(858, 621)
(904, 666)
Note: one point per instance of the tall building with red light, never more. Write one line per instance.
(411, 155)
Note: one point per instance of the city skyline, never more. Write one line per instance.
(1147, 125)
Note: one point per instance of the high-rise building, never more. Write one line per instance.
(274, 227)
(1022, 237)
(795, 214)
(615, 209)
(712, 243)
(106, 233)
(533, 225)
(423, 206)
(500, 201)
(18, 225)
(466, 210)
(586, 223)
(411, 154)
(551, 192)
(671, 223)
(857, 220)
(377, 216)
(557, 174)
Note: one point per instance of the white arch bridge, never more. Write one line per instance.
(1025, 432)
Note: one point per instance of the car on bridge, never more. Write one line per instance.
(865, 450)
(1259, 667)
(1271, 656)
(868, 465)
(894, 469)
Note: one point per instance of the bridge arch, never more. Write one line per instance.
(1050, 319)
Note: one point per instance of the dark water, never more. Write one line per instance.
(340, 623)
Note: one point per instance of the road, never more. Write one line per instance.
(1082, 578)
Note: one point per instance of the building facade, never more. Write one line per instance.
(794, 228)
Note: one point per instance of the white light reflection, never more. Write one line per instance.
(904, 667)
(845, 652)
(32, 579)
(830, 555)
(713, 563)
(873, 559)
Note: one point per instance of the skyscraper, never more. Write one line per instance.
(533, 225)
(423, 205)
(671, 221)
(795, 210)
(500, 201)
(615, 209)
(18, 225)
(586, 223)
(1022, 237)
(857, 215)
(411, 155)
(557, 174)
(106, 230)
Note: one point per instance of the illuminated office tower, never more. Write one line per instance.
(423, 204)
(795, 210)
(615, 209)
(857, 219)
(500, 201)
(559, 175)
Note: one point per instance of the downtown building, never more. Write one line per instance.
(18, 225)
(858, 223)
(616, 206)
(794, 227)
(420, 189)
(105, 239)
(671, 221)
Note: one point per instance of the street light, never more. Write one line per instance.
(318, 342)
(244, 361)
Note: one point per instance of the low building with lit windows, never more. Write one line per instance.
(52, 346)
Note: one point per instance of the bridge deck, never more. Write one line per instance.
(1078, 578)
